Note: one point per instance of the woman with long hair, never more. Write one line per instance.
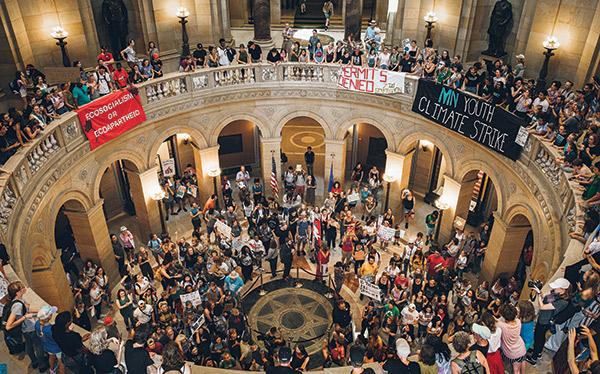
(300, 358)
(21, 317)
(43, 329)
(513, 348)
(173, 360)
(442, 354)
(493, 355)
(102, 358)
(125, 305)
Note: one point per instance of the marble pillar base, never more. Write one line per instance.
(266, 46)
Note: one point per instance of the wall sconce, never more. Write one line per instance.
(157, 196)
(60, 35)
(183, 14)
(389, 179)
(551, 44)
(214, 173)
(431, 19)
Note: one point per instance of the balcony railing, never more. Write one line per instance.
(34, 168)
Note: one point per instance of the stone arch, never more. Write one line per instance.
(193, 132)
(499, 180)
(329, 134)
(260, 123)
(135, 158)
(515, 215)
(341, 131)
(410, 139)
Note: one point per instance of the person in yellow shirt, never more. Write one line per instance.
(369, 267)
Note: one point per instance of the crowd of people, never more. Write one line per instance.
(429, 292)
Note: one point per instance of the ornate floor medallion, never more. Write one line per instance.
(303, 314)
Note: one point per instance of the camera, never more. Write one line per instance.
(537, 284)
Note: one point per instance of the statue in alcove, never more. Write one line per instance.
(500, 21)
(114, 14)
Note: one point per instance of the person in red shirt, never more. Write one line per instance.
(435, 263)
(120, 76)
(107, 57)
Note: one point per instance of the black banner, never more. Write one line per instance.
(468, 115)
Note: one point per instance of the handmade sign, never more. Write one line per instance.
(356, 78)
(223, 228)
(369, 290)
(194, 297)
(110, 116)
(352, 198)
(472, 117)
(168, 167)
(192, 190)
(386, 233)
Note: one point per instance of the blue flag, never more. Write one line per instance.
(330, 178)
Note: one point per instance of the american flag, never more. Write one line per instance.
(274, 180)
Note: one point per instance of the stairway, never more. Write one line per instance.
(314, 17)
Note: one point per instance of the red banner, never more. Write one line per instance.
(110, 116)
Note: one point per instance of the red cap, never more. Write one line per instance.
(108, 321)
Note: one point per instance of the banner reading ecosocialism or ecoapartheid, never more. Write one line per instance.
(370, 80)
(472, 117)
(110, 116)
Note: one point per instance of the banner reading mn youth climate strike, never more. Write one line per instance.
(110, 116)
(356, 78)
(472, 117)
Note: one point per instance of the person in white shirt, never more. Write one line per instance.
(143, 314)
(542, 101)
(242, 177)
(104, 81)
(222, 50)
(384, 59)
(410, 318)
(409, 250)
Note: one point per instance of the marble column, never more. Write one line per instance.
(262, 21)
(270, 147)
(93, 240)
(275, 11)
(504, 249)
(464, 198)
(450, 196)
(50, 283)
(209, 160)
(335, 151)
(353, 18)
(395, 165)
(143, 185)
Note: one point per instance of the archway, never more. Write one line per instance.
(239, 144)
(507, 240)
(115, 189)
(366, 144)
(297, 135)
(478, 198)
(427, 168)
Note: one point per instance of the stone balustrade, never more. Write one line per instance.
(63, 141)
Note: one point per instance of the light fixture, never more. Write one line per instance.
(441, 205)
(214, 173)
(157, 196)
(389, 178)
(183, 14)
(550, 44)
(60, 35)
(430, 19)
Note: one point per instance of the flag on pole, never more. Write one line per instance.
(330, 178)
(274, 179)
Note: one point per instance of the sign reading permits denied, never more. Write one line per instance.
(370, 80)
(110, 116)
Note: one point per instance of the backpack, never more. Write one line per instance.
(469, 365)
(565, 314)
(13, 337)
(14, 87)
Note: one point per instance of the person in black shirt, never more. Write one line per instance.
(255, 53)
(487, 89)
(274, 58)
(70, 343)
(471, 80)
(309, 158)
(286, 254)
(137, 358)
(407, 64)
(342, 317)
(284, 356)
(456, 64)
(499, 94)
(357, 57)
(345, 59)
(199, 56)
